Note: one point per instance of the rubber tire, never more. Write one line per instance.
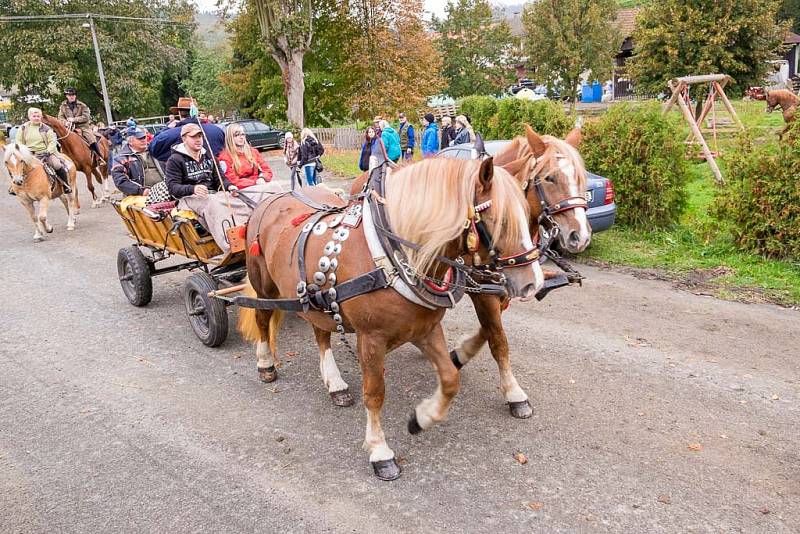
(281, 141)
(211, 327)
(139, 289)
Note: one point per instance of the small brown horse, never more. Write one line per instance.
(788, 102)
(74, 146)
(429, 203)
(30, 184)
(552, 175)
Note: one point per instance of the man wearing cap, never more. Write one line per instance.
(161, 145)
(74, 113)
(134, 170)
(193, 178)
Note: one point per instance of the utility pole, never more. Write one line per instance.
(106, 101)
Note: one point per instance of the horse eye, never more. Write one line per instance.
(550, 178)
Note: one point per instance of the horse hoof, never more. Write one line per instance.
(521, 409)
(268, 374)
(387, 469)
(38, 239)
(49, 230)
(342, 398)
(70, 228)
(413, 424)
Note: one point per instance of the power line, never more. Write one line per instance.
(43, 18)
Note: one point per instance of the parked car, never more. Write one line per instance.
(153, 128)
(258, 134)
(599, 191)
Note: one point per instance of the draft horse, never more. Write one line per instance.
(552, 176)
(30, 184)
(431, 208)
(74, 146)
(787, 101)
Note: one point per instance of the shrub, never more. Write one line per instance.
(761, 196)
(505, 118)
(642, 153)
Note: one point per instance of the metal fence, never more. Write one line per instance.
(352, 139)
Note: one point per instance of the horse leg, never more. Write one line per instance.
(489, 311)
(104, 193)
(38, 230)
(331, 377)
(44, 203)
(268, 322)
(434, 409)
(371, 354)
(67, 201)
(89, 173)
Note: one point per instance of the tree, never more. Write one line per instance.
(287, 28)
(790, 10)
(687, 37)
(397, 55)
(565, 38)
(204, 83)
(137, 57)
(478, 53)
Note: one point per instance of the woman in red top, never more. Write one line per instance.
(242, 164)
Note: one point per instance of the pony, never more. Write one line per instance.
(431, 202)
(74, 146)
(788, 102)
(552, 175)
(30, 184)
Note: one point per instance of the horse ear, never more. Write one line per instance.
(574, 137)
(486, 173)
(516, 167)
(534, 141)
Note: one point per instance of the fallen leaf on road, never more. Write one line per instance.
(535, 506)
(775, 397)
(145, 360)
(696, 447)
(521, 458)
(764, 510)
(664, 499)
(291, 354)
(637, 342)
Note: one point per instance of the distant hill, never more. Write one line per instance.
(210, 29)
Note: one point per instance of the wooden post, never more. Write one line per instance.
(699, 137)
(676, 87)
(728, 105)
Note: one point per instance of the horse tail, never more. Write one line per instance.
(247, 324)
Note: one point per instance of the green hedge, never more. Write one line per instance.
(642, 153)
(505, 118)
(761, 196)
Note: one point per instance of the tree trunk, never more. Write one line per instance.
(295, 90)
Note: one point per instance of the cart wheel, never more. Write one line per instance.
(207, 315)
(134, 275)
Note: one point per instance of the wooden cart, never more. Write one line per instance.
(164, 233)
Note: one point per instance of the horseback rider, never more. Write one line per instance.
(41, 140)
(75, 113)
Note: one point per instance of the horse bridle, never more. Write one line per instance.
(476, 232)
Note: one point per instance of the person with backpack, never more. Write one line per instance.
(308, 156)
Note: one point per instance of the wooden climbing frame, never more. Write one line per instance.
(680, 95)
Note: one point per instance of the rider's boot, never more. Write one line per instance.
(64, 177)
(96, 149)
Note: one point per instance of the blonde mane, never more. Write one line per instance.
(428, 203)
(548, 162)
(21, 151)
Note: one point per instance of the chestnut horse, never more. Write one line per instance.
(29, 182)
(432, 203)
(788, 102)
(74, 146)
(552, 175)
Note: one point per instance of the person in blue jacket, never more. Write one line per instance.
(161, 145)
(391, 140)
(430, 137)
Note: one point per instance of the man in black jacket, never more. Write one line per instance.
(134, 170)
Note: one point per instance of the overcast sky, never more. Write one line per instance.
(434, 6)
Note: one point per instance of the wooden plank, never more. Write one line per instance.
(699, 136)
(676, 91)
(729, 107)
(701, 79)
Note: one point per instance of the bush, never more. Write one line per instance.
(642, 153)
(505, 118)
(761, 196)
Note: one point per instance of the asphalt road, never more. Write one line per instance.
(656, 410)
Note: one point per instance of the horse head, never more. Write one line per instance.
(553, 177)
(18, 159)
